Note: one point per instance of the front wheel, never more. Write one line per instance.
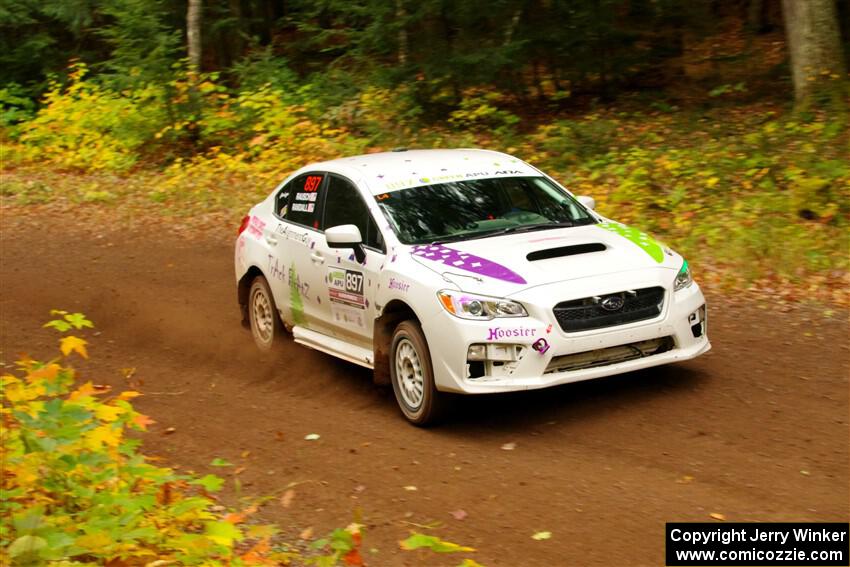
(266, 327)
(412, 375)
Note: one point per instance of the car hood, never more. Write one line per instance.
(508, 264)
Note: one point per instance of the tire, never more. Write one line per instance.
(264, 321)
(412, 376)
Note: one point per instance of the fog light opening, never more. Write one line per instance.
(697, 322)
(493, 359)
(475, 368)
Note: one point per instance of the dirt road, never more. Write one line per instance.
(756, 430)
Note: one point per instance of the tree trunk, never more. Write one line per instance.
(401, 18)
(814, 44)
(193, 34)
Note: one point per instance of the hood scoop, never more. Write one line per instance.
(565, 251)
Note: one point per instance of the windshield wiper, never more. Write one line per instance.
(467, 236)
(506, 230)
(533, 227)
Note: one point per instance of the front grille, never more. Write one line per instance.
(610, 355)
(588, 313)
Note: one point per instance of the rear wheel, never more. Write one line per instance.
(266, 327)
(412, 375)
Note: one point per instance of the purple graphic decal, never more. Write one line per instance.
(541, 346)
(497, 333)
(468, 262)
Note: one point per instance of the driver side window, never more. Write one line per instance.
(344, 205)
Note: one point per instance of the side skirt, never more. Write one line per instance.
(332, 346)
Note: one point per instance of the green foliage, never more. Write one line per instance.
(15, 105)
(76, 490)
(751, 196)
(85, 125)
(573, 141)
(143, 45)
(479, 112)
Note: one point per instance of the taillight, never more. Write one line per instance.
(244, 224)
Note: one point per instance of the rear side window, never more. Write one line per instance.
(344, 205)
(299, 199)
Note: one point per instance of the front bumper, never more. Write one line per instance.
(449, 339)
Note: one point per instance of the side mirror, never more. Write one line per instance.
(587, 202)
(346, 236)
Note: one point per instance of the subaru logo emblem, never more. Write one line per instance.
(612, 303)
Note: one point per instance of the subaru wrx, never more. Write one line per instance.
(460, 271)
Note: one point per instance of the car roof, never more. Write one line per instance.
(399, 169)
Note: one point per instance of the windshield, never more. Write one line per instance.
(479, 207)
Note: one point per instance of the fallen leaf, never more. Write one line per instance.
(129, 395)
(306, 534)
(509, 446)
(312, 436)
(170, 430)
(717, 516)
(287, 497)
(86, 389)
(685, 479)
(234, 518)
(411, 488)
(353, 558)
(419, 541)
(459, 514)
(805, 473)
(539, 536)
(142, 421)
(71, 344)
(238, 470)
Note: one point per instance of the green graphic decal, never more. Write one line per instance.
(642, 239)
(295, 301)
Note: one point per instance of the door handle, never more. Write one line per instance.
(271, 240)
(317, 258)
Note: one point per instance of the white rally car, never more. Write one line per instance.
(464, 271)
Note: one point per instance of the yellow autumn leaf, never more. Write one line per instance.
(103, 435)
(108, 413)
(7, 379)
(73, 344)
(26, 474)
(20, 393)
(94, 542)
(129, 395)
(86, 389)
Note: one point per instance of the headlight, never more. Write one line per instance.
(479, 307)
(683, 278)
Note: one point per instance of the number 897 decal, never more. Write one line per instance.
(345, 288)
